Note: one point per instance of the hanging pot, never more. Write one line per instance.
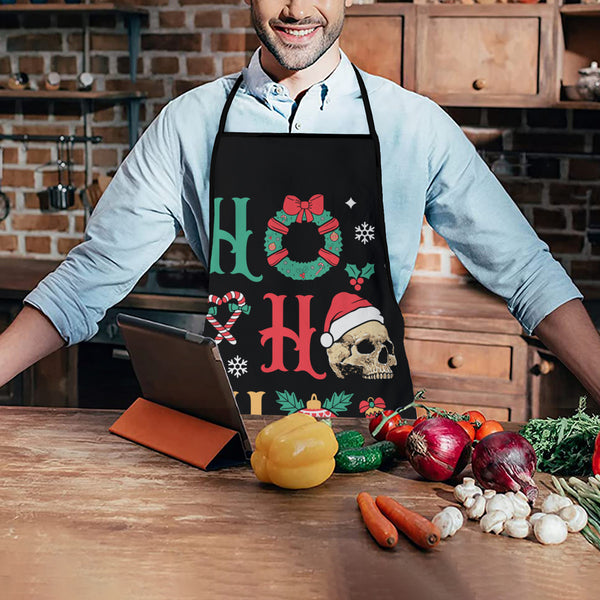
(61, 197)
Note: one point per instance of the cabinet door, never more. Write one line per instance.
(375, 38)
(488, 55)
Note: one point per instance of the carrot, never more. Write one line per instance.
(384, 533)
(414, 526)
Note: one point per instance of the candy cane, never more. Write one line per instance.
(224, 329)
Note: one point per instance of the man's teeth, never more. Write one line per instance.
(299, 32)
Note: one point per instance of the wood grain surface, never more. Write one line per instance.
(88, 515)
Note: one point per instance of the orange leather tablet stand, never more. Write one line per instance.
(181, 436)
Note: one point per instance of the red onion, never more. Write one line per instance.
(505, 461)
(438, 448)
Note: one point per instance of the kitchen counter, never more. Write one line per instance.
(87, 514)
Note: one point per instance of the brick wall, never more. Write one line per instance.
(554, 153)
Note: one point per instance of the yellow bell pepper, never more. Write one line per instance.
(295, 452)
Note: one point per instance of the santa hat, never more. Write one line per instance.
(346, 312)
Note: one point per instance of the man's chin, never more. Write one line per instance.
(296, 59)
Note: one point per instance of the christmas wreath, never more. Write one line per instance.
(295, 210)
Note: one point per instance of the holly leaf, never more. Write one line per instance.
(288, 402)
(339, 402)
(367, 270)
(352, 270)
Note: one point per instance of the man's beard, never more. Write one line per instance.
(293, 57)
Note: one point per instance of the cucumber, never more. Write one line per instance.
(349, 439)
(359, 460)
(388, 450)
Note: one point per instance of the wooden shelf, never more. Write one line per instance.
(577, 105)
(68, 95)
(105, 7)
(580, 10)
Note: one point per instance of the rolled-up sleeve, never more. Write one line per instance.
(134, 222)
(470, 209)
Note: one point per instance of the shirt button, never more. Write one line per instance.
(277, 90)
(297, 126)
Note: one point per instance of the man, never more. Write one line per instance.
(303, 184)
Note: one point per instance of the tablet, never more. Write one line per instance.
(184, 371)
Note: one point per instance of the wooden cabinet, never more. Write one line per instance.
(379, 38)
(12, 392)
(462, 55)
(482, 55)
(467, 351)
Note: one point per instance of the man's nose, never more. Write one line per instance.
(297, 9)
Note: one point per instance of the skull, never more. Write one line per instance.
(365, 350)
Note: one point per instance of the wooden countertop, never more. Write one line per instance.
(87, 514)
(464, 307)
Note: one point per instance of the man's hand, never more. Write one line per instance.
(570, 334)
(30, 337)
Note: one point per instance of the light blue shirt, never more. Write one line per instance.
(429, 168)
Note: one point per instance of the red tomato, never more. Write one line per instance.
(388, 426)
(398, 436)
(476, 418)
(487, 428)
(420, 420)
(468, 428)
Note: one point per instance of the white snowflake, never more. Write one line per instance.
(364, 232)
(237, 366)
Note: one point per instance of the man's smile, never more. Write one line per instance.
(295, 34)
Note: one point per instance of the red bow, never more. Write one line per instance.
(366, 404)
(294, 206)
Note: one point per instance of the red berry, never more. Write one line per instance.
(357, 288)
(353, 281)
(360, 280)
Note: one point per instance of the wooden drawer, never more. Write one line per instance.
(366, 26)
(501, 407)
(459, 359)
(484, 54)
(468, 361)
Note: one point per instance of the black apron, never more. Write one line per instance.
(300, 293)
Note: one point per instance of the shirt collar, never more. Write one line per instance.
(340, 82)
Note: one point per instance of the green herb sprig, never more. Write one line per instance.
(564, 445)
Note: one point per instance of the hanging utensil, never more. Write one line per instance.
(4, 202)
(70, 187)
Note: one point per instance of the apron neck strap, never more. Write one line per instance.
(361, 85)
(230, 97)
(366, 102)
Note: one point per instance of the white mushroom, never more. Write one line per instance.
(487, 494)
(575, 517)
(466, 489)
(535, 517)
(520, 504)
(517, 528)
(493, 522)
(550, 529)
(501, 502)
(449, 521)
(475, 506)
(555, 502)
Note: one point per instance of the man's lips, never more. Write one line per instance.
(296, 34)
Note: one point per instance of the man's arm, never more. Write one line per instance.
(30, 337)
(570, 334)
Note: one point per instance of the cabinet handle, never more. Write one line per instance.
(546, 367)
(457, 361)
(479, 84)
